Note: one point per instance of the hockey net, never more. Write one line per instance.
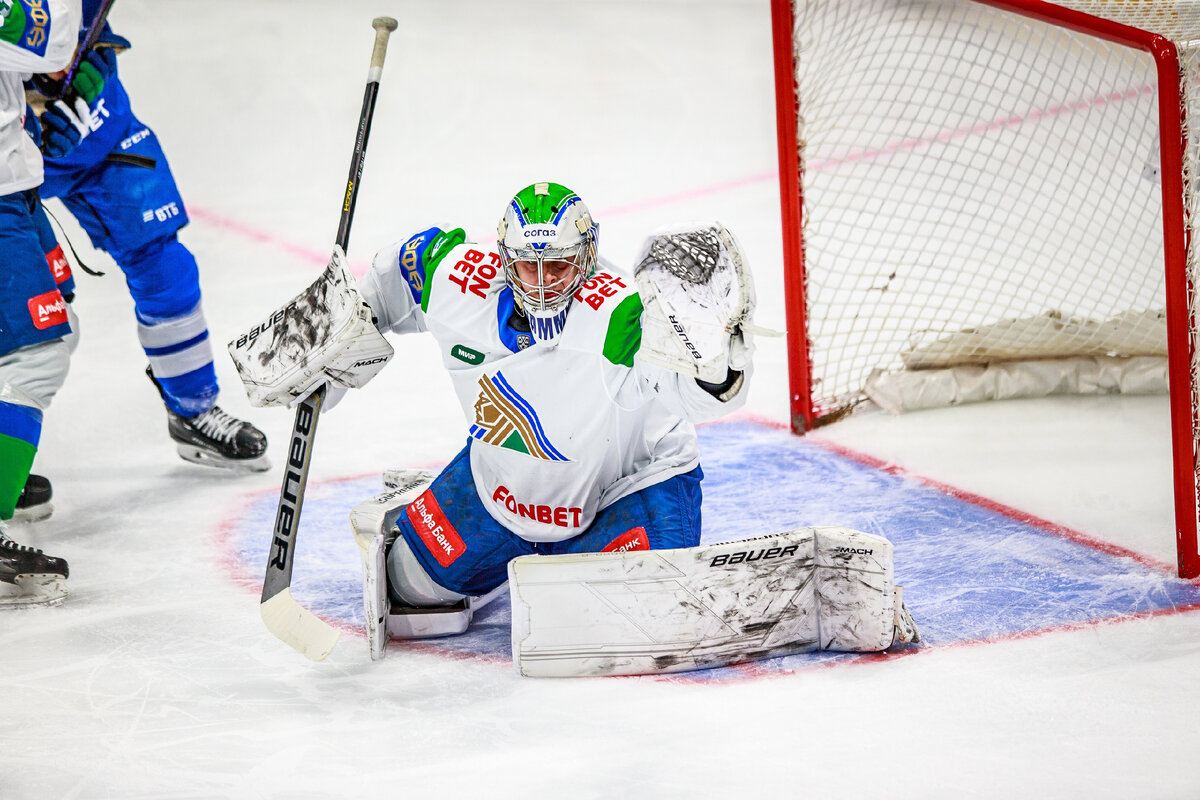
(990, 199)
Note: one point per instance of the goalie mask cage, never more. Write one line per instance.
(969, 184)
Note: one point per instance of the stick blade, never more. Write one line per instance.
(299, 628)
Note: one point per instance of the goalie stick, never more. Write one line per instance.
(52, 89)
(284, 617)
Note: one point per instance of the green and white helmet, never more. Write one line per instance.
(548, 227)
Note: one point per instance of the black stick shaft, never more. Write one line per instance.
(304, 428)
(383, 28)
(356, 165)
(89, 41)
(291, 495)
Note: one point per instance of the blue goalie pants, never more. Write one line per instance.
(464, 549)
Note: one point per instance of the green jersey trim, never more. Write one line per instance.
(442, 244)
(515, 442)
(16, 456)
(624, 335)
(12, 22)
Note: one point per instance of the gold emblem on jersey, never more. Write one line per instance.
(503, 418)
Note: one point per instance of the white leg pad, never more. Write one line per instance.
(373, 523)
(856, 607)
(658, 611)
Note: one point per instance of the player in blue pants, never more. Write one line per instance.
(35, 323)
(119, 187)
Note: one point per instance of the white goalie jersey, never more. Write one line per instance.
(561, 428)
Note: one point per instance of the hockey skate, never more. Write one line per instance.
(29, 577)
(34, 503)
(217, 439)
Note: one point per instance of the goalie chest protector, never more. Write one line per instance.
(566, 425)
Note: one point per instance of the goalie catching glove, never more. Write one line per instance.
(326, 334)
(698, 300)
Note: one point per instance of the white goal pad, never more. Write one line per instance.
(373, 522)
(645, 612)
(325, 334)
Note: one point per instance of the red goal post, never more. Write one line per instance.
(1010, 180)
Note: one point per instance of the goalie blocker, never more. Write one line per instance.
(326, 334)
(659, 611)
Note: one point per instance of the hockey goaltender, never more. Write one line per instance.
(579, 488)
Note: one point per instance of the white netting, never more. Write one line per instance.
(967, 169)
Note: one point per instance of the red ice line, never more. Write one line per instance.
(359, 267)
(1023, 517)
(1011, 121)
(257, 235)
(753, 671)
(321, 257)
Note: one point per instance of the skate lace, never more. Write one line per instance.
(8, 544)
(216, 424)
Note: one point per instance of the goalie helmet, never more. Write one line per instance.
(547, 243)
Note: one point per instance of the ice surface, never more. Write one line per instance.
(1057, 665)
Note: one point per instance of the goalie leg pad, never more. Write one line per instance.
(906, 626)
(373, 523)
(400, 600)
(420, 608)
(855, 591)
(411, 585)
(660, 611)
(439, 611)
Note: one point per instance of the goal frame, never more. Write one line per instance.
(805, 415)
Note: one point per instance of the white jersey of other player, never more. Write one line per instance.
(29, 44)
(561, 428)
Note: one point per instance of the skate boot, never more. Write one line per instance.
(34, 503)
(217, 439)
(29, 577)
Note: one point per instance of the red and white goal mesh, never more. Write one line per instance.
(991, 199)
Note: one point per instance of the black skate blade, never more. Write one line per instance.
(199, 455)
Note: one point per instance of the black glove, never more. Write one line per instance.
(64, 126)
